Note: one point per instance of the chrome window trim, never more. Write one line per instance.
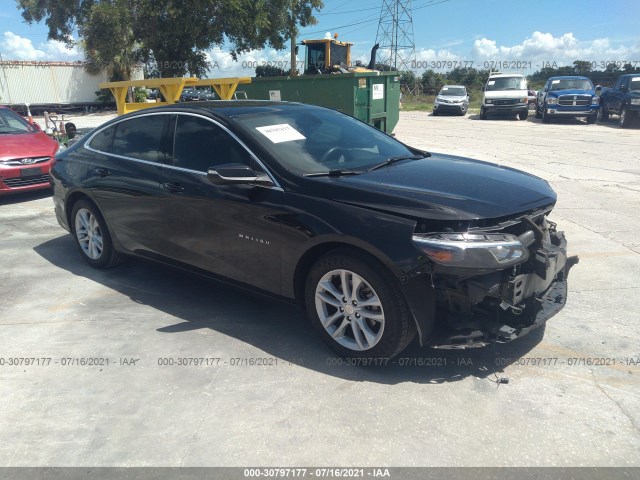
(87, 145)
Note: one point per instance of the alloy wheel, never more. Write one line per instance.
(89, 234)
(349, 310)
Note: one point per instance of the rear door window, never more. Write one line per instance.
(200, 144)
(142, 138)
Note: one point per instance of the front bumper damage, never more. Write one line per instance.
(474, 311)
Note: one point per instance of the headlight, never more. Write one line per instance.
(552, 101)
(635, 101)
(488, 100)
(523, 100)
(595, 101)
(470, 250)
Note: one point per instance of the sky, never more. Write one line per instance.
(478, 33)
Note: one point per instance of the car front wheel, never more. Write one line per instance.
(357, 307)
(545, 115)
(625, 118)
(92, 235)
(602, 114)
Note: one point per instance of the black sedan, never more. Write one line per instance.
(378, 240)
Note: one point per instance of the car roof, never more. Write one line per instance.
(459, 86)
(568, 77)
(497, 75)
(226, 108)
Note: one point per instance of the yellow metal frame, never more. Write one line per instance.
(171, 89)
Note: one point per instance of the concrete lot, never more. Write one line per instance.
(575, 408)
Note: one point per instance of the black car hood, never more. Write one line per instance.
(443, 187)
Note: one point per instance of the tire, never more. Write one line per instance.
(523, 115)
(483, 114)
(545, 116)
(591, 119)
(603, 115)
(625, 117)
(538, 113)
(435, 113)
(92, 236)
(382, 330)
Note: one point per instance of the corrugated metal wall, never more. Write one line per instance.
(46, 83)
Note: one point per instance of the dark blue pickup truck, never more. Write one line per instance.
(569, 96)
(623, 99)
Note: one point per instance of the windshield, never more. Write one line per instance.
(11, 122)
(571, 84)
(506, 83)
(308, 140)
(634, 84)
(453, 92)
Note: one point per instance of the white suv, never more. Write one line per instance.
(505, 94)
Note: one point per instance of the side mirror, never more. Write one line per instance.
(236, 174)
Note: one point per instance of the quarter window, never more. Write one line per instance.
(200, 144)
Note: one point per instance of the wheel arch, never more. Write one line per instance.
(311, 255)
(72, 199)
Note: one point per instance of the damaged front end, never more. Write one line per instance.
(489, 283)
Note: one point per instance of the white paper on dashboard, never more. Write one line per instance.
(281, 133)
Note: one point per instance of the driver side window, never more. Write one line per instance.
(200, 144)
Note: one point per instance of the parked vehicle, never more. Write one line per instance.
(622, 100)
(531, 99)
(26, 153)
(505, 94)
(189, 95)
(451, 99)
(377, 239)
(568, 97)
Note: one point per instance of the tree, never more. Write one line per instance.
(432, 82)
(173, 33)
(581, 67)
(271, 71)
(111, 45)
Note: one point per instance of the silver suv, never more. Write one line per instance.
(452, 99)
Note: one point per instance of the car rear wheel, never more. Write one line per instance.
(358, 308)
(92, 236)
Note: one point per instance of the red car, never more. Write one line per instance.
(26, 153)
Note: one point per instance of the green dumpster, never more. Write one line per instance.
(373, 97)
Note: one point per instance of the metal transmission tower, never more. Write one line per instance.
(395, 35)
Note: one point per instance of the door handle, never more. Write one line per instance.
(103, 172)
(172, 187)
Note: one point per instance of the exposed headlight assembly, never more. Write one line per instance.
(552, 100)
(471, 250)
(635, 101)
